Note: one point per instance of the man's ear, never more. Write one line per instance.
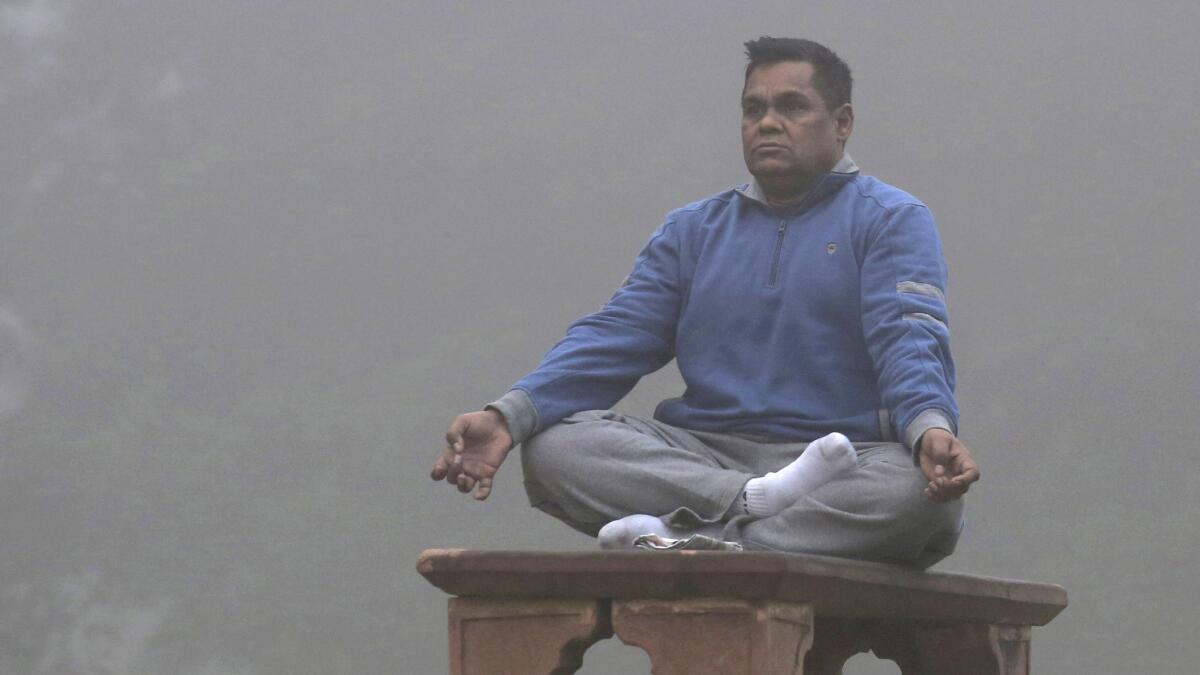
(843, 118)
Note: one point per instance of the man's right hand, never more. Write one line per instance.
(476, 445)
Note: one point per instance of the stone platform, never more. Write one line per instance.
(751, 613)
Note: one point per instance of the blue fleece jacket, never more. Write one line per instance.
(786, 324)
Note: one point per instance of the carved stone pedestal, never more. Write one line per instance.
(704, 636)
(975, 648)
(716, 613)
(523, 636)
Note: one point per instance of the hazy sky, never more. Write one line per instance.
(256, 255)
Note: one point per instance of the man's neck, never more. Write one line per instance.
(792, 192)
(787, 195)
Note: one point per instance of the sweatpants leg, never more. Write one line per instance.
(876, 512)
(597, 466)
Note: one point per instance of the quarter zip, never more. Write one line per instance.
(815, 192)
(778, 252)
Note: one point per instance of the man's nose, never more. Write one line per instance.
(769, 121)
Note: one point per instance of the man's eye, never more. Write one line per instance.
(752, 110)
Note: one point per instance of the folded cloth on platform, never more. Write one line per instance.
(695, 542)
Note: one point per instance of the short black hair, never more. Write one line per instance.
(831, 75)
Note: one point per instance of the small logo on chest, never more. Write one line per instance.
(831, 247)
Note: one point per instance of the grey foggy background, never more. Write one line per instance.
(254, 256)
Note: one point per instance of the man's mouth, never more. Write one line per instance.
(769, 146)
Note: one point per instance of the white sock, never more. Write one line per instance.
(621, 533)
(823, 459)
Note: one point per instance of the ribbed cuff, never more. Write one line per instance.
(518, 412)
(931, 418)
(754, 498)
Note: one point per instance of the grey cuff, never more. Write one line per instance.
(930, 418)
(518, 412)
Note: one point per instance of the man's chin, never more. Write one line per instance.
(769, 171)
(769, 166)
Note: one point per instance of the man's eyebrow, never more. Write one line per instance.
(791, 95)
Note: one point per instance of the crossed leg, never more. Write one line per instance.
(598, 467)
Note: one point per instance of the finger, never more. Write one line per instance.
(439, 469)
(956, 487)
(937, 482)
(485, 489)
(453, 471)
(961, 457)
(465, 483)
(940, 483)
(941, 477)
(961, 484)
(952, 493)
(960, 464)
(934, 493)
(454, 434)
(970, 475)
(931, 489)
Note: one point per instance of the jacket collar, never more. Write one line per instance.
(841, 173)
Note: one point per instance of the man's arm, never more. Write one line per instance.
(604, 354)
(905, 325)
(600, 359)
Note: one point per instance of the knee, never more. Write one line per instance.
(939, 518)
(541, 468)
(920, 508)
(936, 526)
(905, 498)
(922, 531)
(538, 454)
(546, 456)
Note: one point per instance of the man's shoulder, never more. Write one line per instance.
(868, 191)
(881, 195)
(706, 207)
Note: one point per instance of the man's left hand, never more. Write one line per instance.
(947, 464)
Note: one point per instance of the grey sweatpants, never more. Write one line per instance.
(597, 466)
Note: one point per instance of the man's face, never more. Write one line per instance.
(789, 135)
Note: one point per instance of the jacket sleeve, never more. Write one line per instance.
(604, 354)
(905, 322)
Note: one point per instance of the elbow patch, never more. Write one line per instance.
(921, 289)
(922, 316)
(925, 302)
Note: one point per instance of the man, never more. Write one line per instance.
(806, 312)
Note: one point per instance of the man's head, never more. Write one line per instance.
(796, 113)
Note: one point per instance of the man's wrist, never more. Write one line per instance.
(931, 418)
(499, 417)
(518, 413)
(921, 442)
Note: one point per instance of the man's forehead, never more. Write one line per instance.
(775, 79)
